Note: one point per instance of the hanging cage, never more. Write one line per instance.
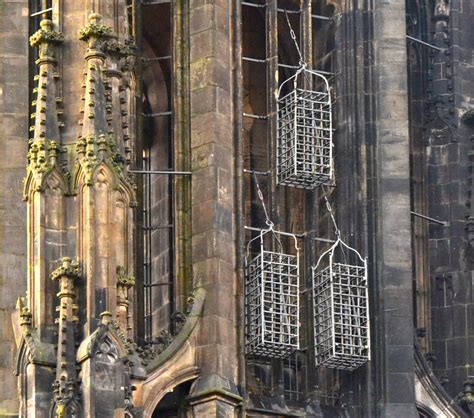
(271, 296)
(341, 310)
(304, 145)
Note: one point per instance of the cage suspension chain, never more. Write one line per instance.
(268, 222)
(293, 36)
(331, 214)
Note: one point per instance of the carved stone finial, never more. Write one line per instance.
(123, 53)
(95, 32)
(45, 38)
(44, 150)
(123, 279)
(124, 282)
(95, 18)
(46, 34)
(106, 317)
(65, 387)
(25, 316)
(68, 268)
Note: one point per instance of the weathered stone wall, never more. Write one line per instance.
(392, 278)
(372, 195)
(213, 194)
(13, 139)
(450, 195)
(372, 199)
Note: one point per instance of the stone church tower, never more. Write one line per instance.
(163, 252)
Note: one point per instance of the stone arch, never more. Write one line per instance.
(175, 402)
(425, 412)
(161, 389)
(35, 182)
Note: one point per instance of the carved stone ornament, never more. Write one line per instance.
(93, 151)
(45, 38)
(95, 33)
(68, 267)
(123, 279)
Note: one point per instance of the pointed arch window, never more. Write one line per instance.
(158, 190)
(163, 233)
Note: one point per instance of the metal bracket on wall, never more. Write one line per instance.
(303, 235)
(297, 66)
(49, 9)
(154, 2)
(158, 284)
(171, 173)
(429, 219)
(322, 17)
(158, 114)
(254, 59)
(167, 57)
(258, 173)
(157, 227)
(246, 3)
(411, 38)
(252, 116)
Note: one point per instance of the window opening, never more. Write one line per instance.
(158, 172)
(259, 382)
(294, 377)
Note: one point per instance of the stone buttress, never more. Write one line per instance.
(74, 327)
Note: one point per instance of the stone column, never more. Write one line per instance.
(124, 283)
(393, 274)
(213, 229)
(45, 183)
(105, 192)
(65, 385)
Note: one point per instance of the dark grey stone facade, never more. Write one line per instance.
(151, 316)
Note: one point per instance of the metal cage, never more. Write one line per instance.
(271, 296)
(341, 310)
(304, 148)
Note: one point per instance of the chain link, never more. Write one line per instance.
(333, 219)
(293, 36)
(268, 222)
